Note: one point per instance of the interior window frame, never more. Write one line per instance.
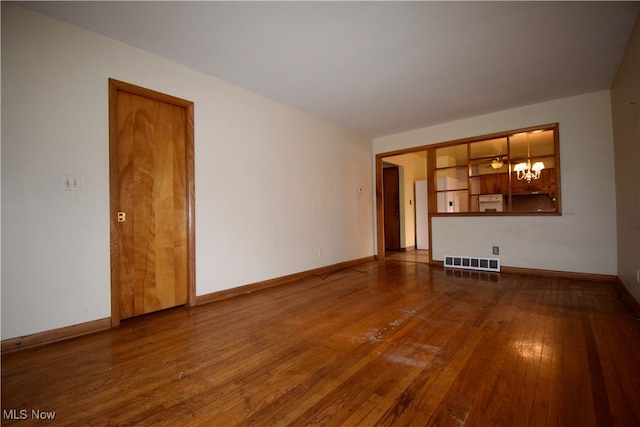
(551, 184)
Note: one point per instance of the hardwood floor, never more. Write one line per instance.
(410, 255)
(388, 343)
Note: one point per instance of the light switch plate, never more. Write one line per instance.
(71, 183)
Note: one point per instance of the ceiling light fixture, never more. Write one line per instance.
(525, 170)
(497, 162)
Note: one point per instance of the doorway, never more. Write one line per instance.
(413, 205)
(151, 177)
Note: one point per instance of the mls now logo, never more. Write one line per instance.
(15, 414)
(23, 414)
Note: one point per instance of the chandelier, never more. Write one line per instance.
(527, 171)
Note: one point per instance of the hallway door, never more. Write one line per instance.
(391, 190)
(151, 180)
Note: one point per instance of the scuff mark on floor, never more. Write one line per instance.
(431, 348)
(377, 335)
(460, 420)
(406, 360)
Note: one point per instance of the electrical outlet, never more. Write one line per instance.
(496, 250)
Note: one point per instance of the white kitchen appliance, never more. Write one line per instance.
(491, 202)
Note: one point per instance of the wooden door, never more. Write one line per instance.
(391, 191)
(151, 186)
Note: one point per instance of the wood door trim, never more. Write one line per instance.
(379, 209)
(116, 86)
(380, 202)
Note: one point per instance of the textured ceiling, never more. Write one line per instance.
(379, 67)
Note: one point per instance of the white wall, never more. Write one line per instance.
(625, 100)
(273, 185)
(583, 239)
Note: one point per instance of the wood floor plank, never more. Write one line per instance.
(387, 343)
(620, 369)
(510, 400)
(476, 380)
(546, 303)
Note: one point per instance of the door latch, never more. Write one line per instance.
(122, 216)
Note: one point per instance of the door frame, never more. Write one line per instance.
(116, 86)
(380, 197)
